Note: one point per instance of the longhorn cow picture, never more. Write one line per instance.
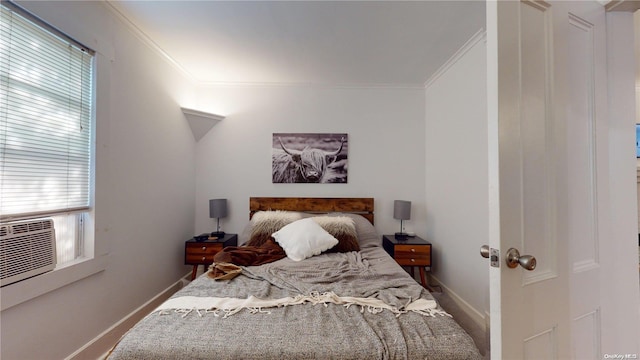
(309, 158)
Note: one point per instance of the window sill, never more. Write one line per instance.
(25, 290)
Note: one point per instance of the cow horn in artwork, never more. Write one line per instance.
(289, 151)
(335, 153)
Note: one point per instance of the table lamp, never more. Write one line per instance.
(401, 211)
(217, 209)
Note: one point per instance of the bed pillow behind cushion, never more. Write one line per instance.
(367, 234)
(342, 228)
(265, 223)
(304, 238)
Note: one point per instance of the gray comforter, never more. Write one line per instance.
(304, 331)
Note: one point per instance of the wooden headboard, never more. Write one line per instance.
(360, 206)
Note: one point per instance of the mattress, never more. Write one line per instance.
(348, 305)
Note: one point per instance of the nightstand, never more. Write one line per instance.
(202, 252)
(412, 251)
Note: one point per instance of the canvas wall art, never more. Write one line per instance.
(309, 158)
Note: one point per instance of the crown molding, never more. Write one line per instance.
(146, 40)
(480, 35)
(406, 86)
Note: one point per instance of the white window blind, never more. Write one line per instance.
(45, 119)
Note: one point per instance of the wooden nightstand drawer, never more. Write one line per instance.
(202, 252)
(203, 249)
(413, 255)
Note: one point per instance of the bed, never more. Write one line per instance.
(356, 304)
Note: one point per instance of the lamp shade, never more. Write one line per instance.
(402, 210)
(217, 208)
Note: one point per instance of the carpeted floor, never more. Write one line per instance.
(466, 322)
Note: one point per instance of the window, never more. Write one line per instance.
(45, 127)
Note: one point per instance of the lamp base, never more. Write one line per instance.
(401, 236)
(218, 234)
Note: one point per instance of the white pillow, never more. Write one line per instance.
(304, 238)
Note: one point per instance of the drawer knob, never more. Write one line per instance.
(204, 258)
(204, 248)
(413, 260)
(413, 250)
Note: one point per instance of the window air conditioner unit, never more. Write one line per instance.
(27, 248)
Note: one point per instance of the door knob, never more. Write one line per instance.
(484, 251)
(526, 261)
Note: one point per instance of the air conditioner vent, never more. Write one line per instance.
(27, 248)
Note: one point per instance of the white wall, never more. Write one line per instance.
(456, 181)
(144, 196)
(386, 147)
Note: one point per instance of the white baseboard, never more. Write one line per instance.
(476, 315)
(99, 347)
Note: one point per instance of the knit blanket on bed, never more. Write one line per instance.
(338, 278)
(230, 306)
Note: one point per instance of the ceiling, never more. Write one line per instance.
(361, 43)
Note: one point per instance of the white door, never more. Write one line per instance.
(548, 141)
